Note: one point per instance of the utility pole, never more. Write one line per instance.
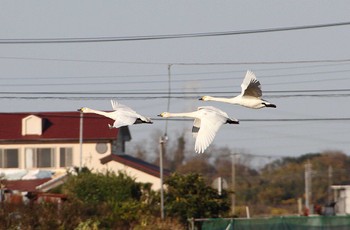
(308, 182)
(81, 141)
(330, 182)
(233, 184)
(162, 141)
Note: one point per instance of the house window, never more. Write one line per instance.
(40, 157)
(8, 158)
(45, 158)
(66, 157)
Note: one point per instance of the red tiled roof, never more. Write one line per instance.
(136, 164)
(24, 185)
(57, 126)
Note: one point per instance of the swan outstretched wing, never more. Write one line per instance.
(210, 123)
(124, 115)
(214, 110)
(195, 127)
(124, 119)
(117, 106)
(251, 86)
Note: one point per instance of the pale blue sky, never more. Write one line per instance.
(141, 66)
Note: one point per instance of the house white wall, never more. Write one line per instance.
(92, 154)
(39, 139)
(138, 175)
(342, 199)
(90, 158)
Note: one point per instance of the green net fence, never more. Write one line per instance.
(280, 223)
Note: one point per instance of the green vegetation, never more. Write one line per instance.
(117, 201)
(110, 201)
(188, 196)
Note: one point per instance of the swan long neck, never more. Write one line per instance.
(222, 99)
(99, 112)
(190, 114)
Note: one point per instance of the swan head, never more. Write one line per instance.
(205, 98)
(83, 110)
(232, 121)
(164, 114)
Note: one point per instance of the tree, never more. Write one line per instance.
(94, 188)
(140, 151)
(200, 165)
(282, 182)
(188, 196)
(109, 198)
(179, 153)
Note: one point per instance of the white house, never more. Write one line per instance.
(140, 170)
(50, 141)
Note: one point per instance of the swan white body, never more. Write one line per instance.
(122, 115)
(207, 121)
(250, 95)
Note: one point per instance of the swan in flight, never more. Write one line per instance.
(122, 115)
(250, 96)
(207, 121)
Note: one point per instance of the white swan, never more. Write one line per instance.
(250, 95)
(122, 115)
(207, 121)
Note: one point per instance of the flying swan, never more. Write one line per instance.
(250, 96)
(122, 115)
(207, 121)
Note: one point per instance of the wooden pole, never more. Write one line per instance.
(161, 147)
(81, 142)
(233, 184)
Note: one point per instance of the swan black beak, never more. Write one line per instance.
(201, 99)
(230, 121)
(80, 110)
(159, 115)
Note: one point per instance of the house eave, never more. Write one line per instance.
(54, 140)
(134, 165)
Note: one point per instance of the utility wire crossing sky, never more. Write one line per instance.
(172, 36)
(154, 57)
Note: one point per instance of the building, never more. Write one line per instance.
(341, 199)
(50, 141)
(140, 170)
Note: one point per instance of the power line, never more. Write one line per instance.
(82, 60)
(129, 83)
(173, 92)
(184, 63)
(161, 95)
(47, 114)
(169, 36)
(178, 74)
(174, 81)
(274, 119)
(150, 97)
